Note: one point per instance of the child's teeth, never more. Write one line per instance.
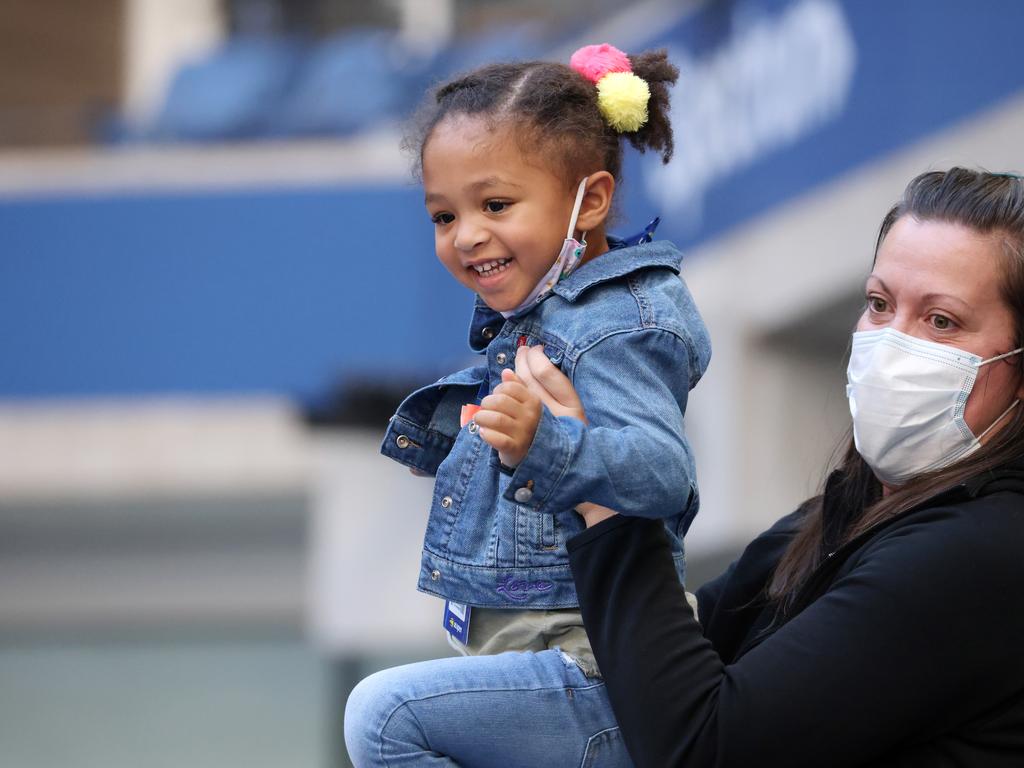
(492, 266)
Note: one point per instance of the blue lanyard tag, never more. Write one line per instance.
(456, 620)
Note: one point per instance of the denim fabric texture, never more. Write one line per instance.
(625, 330)
(513, 710)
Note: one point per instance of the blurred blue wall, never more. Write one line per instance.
(222, 292)
(292, 291)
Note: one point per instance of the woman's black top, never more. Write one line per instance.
(904, 648)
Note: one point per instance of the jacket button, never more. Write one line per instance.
(435, 575)
(523, 495)
(473, 427)
(402, 441)
(446, 502)
(501, 358)
(487, 333)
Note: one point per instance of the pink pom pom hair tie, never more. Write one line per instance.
(596, 61)
(621, 96)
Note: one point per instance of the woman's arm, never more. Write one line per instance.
(888, 657)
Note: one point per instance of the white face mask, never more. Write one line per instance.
(907, 399)
(568, 257)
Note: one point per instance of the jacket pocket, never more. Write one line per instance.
(554, 347)
(541, 537)
(548, 537)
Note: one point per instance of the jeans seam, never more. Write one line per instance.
(409, 701)
(586, 749)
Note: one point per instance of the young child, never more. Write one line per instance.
(519, 165)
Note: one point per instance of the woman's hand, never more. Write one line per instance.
(543, 379)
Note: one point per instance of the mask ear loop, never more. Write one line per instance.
(1011, 353)
(576, 212)
(1015, 403)
(999, 418)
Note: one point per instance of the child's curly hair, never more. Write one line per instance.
(554, 111)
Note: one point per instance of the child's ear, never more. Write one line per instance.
(597, 201)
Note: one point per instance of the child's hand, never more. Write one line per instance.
(548, 383)
(555, 390)
(508, 419)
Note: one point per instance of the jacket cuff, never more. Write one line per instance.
(415, 447)
(536, 479)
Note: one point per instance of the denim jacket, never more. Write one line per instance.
(624, 329)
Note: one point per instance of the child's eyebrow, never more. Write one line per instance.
(491, 181)
(476, 186)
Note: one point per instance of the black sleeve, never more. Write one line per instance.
(709, 593)
(889, 655)
(737, 594)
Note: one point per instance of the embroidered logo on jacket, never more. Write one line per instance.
(520, 589)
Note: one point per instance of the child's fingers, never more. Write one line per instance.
(499, 441)
(522, 367)
(495, 420)
(551, 380)
(501, 401)
(526, 376)
(516, 390)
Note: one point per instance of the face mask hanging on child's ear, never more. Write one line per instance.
(568, 258)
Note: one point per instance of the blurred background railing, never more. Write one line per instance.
(217, 280)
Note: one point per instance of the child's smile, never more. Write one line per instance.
(499, 217)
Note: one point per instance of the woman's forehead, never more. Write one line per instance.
(928, 257)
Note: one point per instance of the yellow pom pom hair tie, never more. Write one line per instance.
(621, 96)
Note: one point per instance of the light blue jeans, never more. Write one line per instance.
(513, 710)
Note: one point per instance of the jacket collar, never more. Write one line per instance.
(626, 260)
(621, 260)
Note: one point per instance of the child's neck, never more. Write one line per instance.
(597, 244)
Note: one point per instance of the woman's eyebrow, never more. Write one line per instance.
(931, 296)
(945, 297)
(880, 282)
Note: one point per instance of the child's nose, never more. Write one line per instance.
(469, 235)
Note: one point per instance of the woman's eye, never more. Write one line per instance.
(877, 304)
(496, 206)
(941, 322)
(442, 218)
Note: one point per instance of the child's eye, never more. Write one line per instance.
(442, 218)
(496, 206)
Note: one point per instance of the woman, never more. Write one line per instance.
(881, 623)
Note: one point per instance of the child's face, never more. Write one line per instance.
(499, 221)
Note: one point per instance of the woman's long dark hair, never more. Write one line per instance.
(988, 203)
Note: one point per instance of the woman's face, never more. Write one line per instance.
(941, 282)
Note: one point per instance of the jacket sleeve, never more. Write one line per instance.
(424, 428)
(633, 456)
(914, 638)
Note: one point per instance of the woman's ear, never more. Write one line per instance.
(597, 201)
